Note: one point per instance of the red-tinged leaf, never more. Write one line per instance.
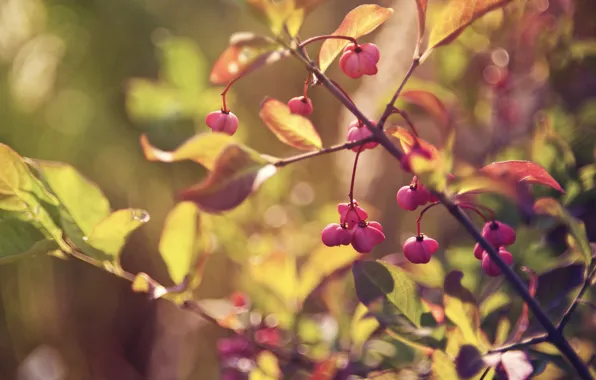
(428, 102)
(223, 312)
(236, 174)
(408, 141)
(516, 365)
(421, 7)
(484, 183)
(246, 52)
(202, 148)
(361, 21)
(291, 129)
(458, 15)
(325, 370)
(522, 171)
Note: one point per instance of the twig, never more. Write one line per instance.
(349, 145)
(391, 104)
(569, 312)
(521, 344)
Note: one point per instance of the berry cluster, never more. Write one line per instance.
(499, 235)
(353, 229)
(356, 61)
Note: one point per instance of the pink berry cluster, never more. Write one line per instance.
(499, 235)
(353, 229)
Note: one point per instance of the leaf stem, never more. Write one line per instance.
(407, 119)
(327, 37)
(225, 92)
(351, 194)
(424, 210)
(335, 148)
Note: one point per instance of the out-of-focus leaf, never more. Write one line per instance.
(322, 263)
(236, 174)
(522, 171)
(468, 362)
(456, 16)
(145, 284)
(482, 183)
(225, 313)
(502, 331)
(361, 327)
(461, 309)
(110, 234)
(278, 272)
(246, 52)
(84, 201)
(493, 302)
(421, 8)
(360, 21)
(291, 129)
(587, 174)
(20, 239)
(267, 367)
(376, 280)
(555, 285)
(430, 275)
(428, 102)
(179, 241)
(577, 230)
(325, 370)
(408, 141)
(182, 64)
(443, 367)
(516, 365)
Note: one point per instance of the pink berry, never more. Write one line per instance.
(490, 267)
(478, 251)
(221, 121)
(358, 60)
(351, 215)
(334, 235)
(366, 236)
(358, 131)
(419, 249)
(300, 105)
(376, 225)
(498, 233)
(406, 198)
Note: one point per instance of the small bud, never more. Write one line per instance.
(358, 60)
(300, 105)
(490, 267)
(224, 122)
(419, 249)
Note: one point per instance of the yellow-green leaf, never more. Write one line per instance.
(461, 308)
(178, 243)
(443, 367)
(277, 272)
(291, 129)
(110, 234)
(360, 21)
(457, 15)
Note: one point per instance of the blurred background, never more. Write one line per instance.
(81, 80)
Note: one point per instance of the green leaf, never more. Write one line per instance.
(360, 21)
(81, 198)
(376, 280)
(322, 263)
(461, 309)
(361, 327)
(443, 367)
(458, 15)
(246, 53)
(577, 231)
(236, 174)
(277, 272)
(291, 129)
(182, 64)
(19, 239)
(110, 234)
(178, 243)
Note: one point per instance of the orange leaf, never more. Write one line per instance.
(421, 6)
(458, 15)
(360, 21)
(408, 141)
(291, 129)
(429, 102)
(522, 171)
(247, 52)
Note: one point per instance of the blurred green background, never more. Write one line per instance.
(81, 80)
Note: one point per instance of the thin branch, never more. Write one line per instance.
(521, 344)
(326, 37)
(391, 104)
(345, 146)
(568, 314)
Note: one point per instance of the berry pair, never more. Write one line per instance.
(223, 122)
(412, 196)
(499, 235)
(353, 229)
